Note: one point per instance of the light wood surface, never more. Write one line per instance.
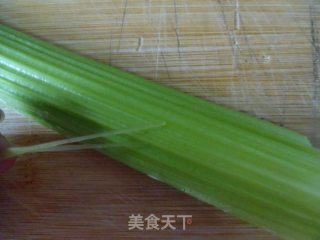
(262, 57)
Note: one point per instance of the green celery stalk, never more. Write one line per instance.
(257, 171)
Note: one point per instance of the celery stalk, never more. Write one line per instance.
(257, 171)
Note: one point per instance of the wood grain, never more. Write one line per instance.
(262, 57)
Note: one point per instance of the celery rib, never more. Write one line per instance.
(262, 173)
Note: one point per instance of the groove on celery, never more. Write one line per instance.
(2, 116)
(265, 174)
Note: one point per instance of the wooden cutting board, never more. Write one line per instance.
(261, 57)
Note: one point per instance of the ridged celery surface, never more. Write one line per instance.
(260, 172)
